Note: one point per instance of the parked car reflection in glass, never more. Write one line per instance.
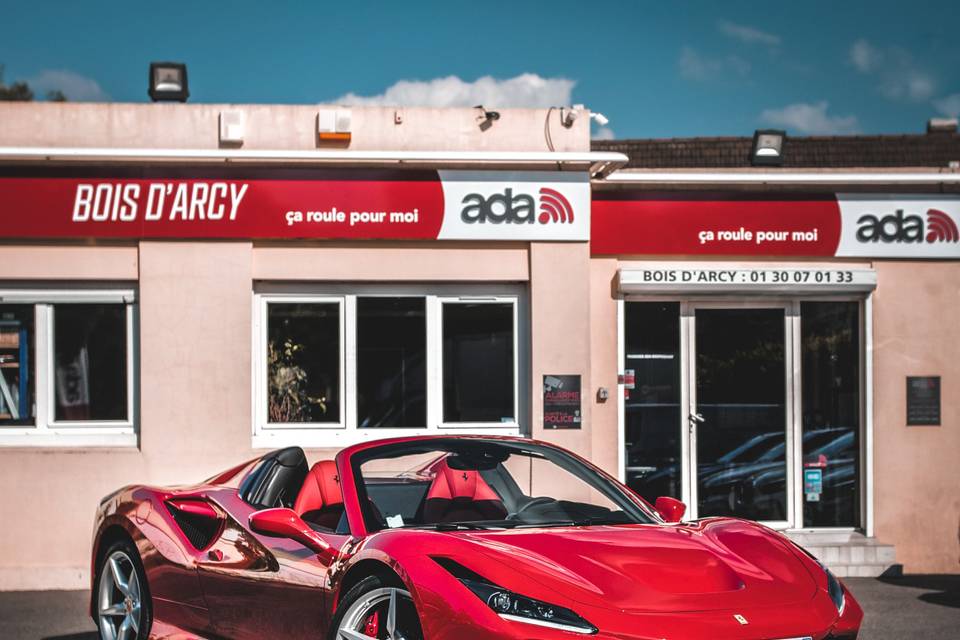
(760, 484)
(752, 475)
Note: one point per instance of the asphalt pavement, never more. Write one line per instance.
(896, 609)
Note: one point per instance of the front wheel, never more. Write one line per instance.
(376, 609)
(123, 605)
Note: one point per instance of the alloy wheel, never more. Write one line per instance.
(387, 613)
(118, 598)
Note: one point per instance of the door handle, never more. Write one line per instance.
(696, 418)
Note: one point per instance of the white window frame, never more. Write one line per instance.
(345, 431)
(261, 371)
(438, 350)
(47, 431)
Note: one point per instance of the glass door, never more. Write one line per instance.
(740, 417)
(750, 409)
(653, 400)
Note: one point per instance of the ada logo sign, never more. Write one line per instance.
(505, 205)
(516, 209)
(898, 226)
(901, 227)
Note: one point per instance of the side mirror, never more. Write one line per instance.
(670, 509)
(285, 523)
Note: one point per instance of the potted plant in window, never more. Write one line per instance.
(290, 400)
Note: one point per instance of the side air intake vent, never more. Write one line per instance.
(198, 521)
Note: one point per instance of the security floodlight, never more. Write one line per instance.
(168, 82)
(600, 119)
(488, 117)
(569, 115)
(767, 147)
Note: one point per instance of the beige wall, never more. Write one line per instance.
(604, 363)
(195, 304)
(560, 336)
(194, 316)
(916, 483)
(917, 469)
(195, 378)
(195, 387)
(195, 126)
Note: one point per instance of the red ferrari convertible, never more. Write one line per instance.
(436, 538)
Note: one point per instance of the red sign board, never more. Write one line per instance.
(912, 226)
(664, 225)
(245, 202)
(216, 208)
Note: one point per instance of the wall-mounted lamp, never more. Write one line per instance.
(487, 117)
(599, 118)
(767, 148)
(168, 82)
(569, 115)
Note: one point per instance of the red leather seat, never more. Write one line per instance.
(461, 496)
(320, 499)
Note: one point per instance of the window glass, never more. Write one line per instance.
(303, 362)
(478, 362)
(741, 396)
(652, 405)
(17, 406)
(831, 413)
(90, 361)
(391, 362)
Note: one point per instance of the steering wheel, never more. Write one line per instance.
(531, 503)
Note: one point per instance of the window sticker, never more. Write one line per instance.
(395, 521)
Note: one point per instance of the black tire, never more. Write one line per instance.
(361, 589)
(146, 609)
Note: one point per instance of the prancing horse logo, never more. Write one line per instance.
(739, 618)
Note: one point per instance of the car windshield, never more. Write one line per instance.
(472, 483)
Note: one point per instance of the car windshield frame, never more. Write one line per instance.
(636, 510)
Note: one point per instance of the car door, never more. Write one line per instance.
(259, 586)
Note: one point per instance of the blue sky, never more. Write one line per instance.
(655, 69)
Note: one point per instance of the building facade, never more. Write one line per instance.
(786, 339)
(177, 296)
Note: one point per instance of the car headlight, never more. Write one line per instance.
(835, 589)
(512, 606)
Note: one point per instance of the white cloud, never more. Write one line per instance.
(748, 35)
(909, 84)
(900, 78)
(810, 119)
(525, 90)
(77, 88)
(864, 56)
(695, 66)
(949, 105)
(603, 133)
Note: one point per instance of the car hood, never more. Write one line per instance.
(705, 566)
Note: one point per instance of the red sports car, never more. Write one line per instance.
(435, 538)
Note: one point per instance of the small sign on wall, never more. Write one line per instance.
(923, 401)
(812, 484)
(562, 402)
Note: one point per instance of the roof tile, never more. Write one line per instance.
(909, 150)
